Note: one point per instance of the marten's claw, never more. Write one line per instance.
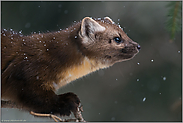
(78, 114)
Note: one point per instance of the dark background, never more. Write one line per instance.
(146, 88)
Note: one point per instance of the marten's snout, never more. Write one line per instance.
(135, 44)
(138, 47)
(131, 47)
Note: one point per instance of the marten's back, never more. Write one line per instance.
(9, 47)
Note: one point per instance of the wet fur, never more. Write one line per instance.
(34, 66)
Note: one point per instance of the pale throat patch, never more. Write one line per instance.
(77, 71)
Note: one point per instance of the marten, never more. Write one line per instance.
(33, 67)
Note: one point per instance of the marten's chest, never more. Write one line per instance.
(77, 71)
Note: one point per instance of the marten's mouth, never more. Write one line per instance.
(127, 54)
(129, 50)
(122, 55)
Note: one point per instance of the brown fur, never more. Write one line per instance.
(34, 66)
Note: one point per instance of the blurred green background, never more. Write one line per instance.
(146, 88)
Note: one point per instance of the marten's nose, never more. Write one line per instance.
(138, 47)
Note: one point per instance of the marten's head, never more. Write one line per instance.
(105, 41)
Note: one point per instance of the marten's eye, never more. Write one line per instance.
(118, 40)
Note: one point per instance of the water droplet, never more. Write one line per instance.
(39, 6)
(178, 51)
(23, 39)
(113, 118)
(37, 77)
(26, 57)
(27, 25)
(20, 31)
(4, 34)
(138, 80)
(47, 49)
(138, 63)
(116, 79)
(40, 41)
(152, 60)
(99, 113)
(66, 11)
(53, 37)
(44, 44)
(76, 37)
(159, 93)
(164, 78)
(12, 38)
(60, 5)
(102, 21)
(119, 25)
(144, 99)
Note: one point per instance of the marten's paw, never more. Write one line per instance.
(68, 102)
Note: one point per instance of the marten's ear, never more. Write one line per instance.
(109, 20)
(89, 27)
